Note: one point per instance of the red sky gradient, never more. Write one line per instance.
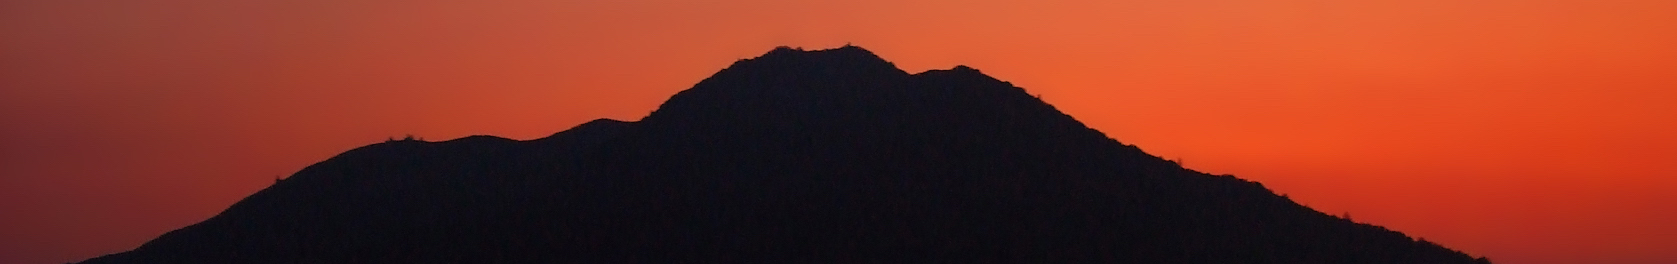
(1525, 131)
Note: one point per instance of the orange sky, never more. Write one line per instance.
(1526, 131)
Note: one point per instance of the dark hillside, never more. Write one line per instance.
(828, 156)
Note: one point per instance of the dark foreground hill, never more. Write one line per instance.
(830, 156)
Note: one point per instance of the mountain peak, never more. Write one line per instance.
(790, 80)
(842, 59)
(844, 51)
(849, 86)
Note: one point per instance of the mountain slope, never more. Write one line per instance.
(832, 156)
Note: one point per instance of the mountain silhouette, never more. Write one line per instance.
(825, 156)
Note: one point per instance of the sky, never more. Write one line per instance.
(1526, 131)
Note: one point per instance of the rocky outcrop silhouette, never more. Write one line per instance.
(826, 156)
